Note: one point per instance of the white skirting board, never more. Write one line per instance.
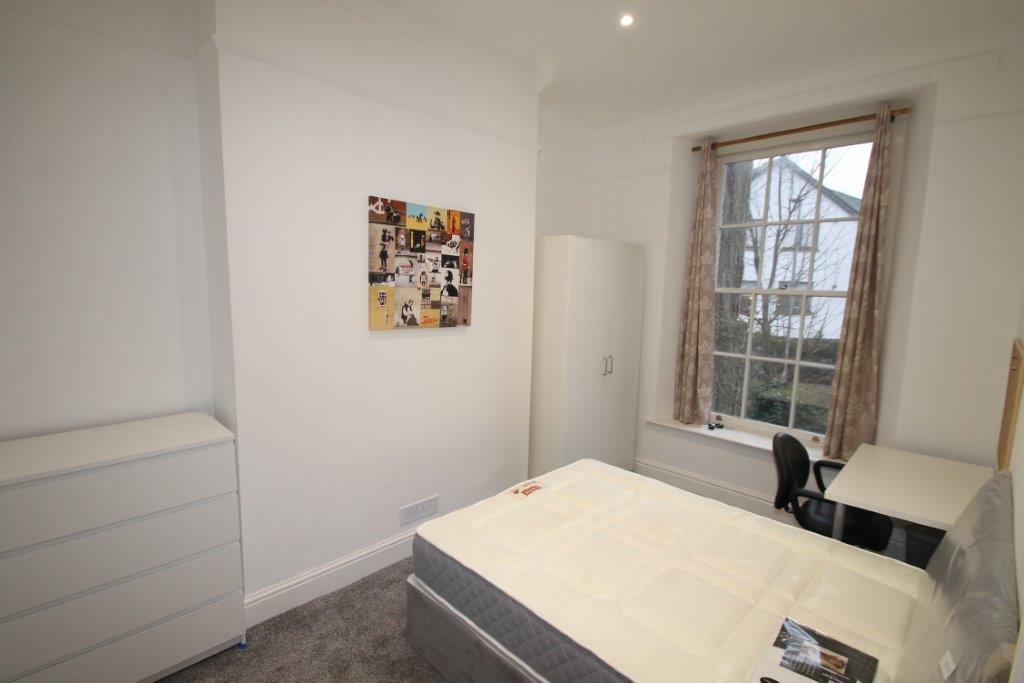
(743, 498)
(278, 598)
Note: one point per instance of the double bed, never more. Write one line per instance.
(595, 573)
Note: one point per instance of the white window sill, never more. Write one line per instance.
(761, 442)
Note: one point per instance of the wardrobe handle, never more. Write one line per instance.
(605, 366)
(611, 364)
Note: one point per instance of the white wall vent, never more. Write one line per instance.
(423, 508)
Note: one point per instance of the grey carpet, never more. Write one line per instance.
(354, 634)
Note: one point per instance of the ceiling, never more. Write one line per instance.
(681, 51)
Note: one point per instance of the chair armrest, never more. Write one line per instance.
(794, 502)
(796, 494)
(831, 464)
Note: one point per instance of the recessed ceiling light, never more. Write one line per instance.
(626, 20)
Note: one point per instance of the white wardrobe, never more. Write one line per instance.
(588, 308)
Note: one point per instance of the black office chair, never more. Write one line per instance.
(860, 527)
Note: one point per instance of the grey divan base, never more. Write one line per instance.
(470, 630)
(461, 653)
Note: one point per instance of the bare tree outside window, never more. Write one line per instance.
(785, 244)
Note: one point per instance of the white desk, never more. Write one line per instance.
(909, 486)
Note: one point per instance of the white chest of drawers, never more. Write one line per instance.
(120, 555)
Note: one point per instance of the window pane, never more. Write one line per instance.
(776, 326)
(732, 318)
(737, 257)
(727, 389)
(769, 392)
(822, 325)
(793, 194)
(787, 256)
(813, 395)
(743, 198)
(845, 170)
(835, 255)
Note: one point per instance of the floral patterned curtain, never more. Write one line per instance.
(853, 413)
(695, 363)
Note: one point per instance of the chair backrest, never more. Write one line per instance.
(792, 464)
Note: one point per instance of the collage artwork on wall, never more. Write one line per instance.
(420, 265)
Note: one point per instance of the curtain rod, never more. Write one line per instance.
(801, 129)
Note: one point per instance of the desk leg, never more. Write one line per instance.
(837, 522)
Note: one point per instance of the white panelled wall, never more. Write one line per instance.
(956, 286)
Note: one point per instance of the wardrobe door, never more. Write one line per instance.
(586, 348)
(625, 314)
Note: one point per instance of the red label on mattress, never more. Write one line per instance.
(526, 489)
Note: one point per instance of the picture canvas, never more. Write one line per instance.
(420, 265)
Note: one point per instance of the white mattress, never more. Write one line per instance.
(664, 585)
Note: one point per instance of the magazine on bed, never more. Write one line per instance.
(800, 654)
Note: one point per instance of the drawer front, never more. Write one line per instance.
(154, 650)
(39, 638)
(53, 572)
(52, 508)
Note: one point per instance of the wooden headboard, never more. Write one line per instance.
(1010, 440)
(1011, 406)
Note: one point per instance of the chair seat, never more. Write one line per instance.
(819, 516)
(793, 467)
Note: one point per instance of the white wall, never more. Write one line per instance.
(967, 283)
(102, 284)
(338, 427)
(956, 283)
(564, 177)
